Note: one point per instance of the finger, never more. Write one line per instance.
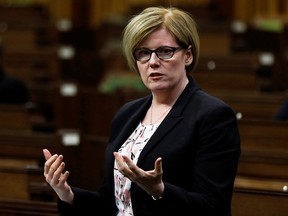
(119, 161)
(116, 155)
(132, 171)
(58, 177)
(131, 165)
(56, 164)
(49, 163)
(63, 178)
(47, 154)
(158, 166)
(51, 166)
(123, 166)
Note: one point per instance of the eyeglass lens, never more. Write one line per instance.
(164, 52)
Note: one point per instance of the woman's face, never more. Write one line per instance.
(163, 75)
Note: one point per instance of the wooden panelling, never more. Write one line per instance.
(25, 144)
(14, 117)
(264, 148)
(252, 104)
(19, 178)
(21, 164)
(259, 203)
(17, 207)
(233, 72)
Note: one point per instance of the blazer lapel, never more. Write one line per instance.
(132, 123)
(171, 120)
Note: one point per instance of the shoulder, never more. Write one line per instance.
(204, 107)
(199, 98)
(135, 104)
(131, 108)
(206, 99)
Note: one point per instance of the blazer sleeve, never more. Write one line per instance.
(214, 169)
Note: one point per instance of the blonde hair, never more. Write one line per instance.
(178, 22)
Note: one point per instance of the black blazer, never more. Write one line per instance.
(200, 146)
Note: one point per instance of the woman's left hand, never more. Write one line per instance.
(150, 181)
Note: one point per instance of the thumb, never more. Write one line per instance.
(47, 154)
(158, 166)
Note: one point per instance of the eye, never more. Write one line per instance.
(164, 50)
(142, 52)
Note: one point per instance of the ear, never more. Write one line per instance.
(188, 56)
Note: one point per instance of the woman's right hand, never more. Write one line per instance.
(53, 172)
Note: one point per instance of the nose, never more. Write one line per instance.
(154, 58)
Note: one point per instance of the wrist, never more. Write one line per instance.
(158, 194)
(67, 196)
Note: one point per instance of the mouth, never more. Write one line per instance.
(155, 75)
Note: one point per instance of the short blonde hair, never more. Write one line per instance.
(178, 22)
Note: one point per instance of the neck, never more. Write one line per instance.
(156, 116)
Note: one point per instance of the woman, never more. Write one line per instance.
(174, 152)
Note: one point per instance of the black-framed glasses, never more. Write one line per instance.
(163, 53)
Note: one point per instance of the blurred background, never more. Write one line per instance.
(63, 77)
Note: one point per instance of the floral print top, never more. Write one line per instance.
(131, 148)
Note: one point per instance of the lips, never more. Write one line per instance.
(155, 74)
